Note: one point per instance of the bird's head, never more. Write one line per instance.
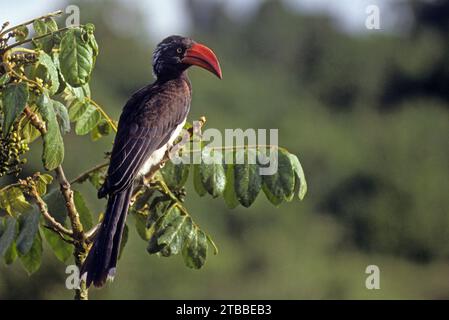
(175, 54)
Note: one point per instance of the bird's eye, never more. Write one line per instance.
(179, 50)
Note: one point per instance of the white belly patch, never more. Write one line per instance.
(158, 155)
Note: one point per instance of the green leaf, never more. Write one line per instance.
(8, 234)
(175, 232)
(247, 180)
(90, 28)
(194, 250)
(172, 237)
(51, 24)
(141, 226)
(197, 184)
(80, 92)
(276, 201)
(123, 241)
(32, 260)
(40, 27)
(21, 33)
(83, 210)
(13, 201)
(29, 132)
(11, 254)
(63, 116)
(47, 62)
(28, 227)
(53, 151)
(159, 206)
(77, 108)
(56, 205)
(102, 129)
(280, 185)
(88, 120)
(300, 181)
(214, 246)
(4, 79)
(212, 174)
(62, 250)
(75, 58)
(175, 175)
(229, 192)
(97, 178)
(41, 183)
(14, 100)
(158, 228)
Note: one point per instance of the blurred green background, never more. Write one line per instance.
(366, 113)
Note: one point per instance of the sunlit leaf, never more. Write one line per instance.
(77, 108)
(41, 182)
(21, 33)
(46, 61)
(40, 27)
(4, 79)
(87, 120)
(194, 250)
(75, 58)
(13, 201)
(172, 237)
(29, 131)
(300, 182)
(11, 254)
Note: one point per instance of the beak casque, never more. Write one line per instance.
(201, 56)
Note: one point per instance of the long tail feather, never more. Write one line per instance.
(100, 264)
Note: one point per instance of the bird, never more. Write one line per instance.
(150, 121)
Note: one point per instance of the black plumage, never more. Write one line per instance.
(149, 122)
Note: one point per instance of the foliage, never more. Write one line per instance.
(45, 92)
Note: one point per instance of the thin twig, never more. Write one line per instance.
(104, 114)
(67, 193)
(36, 38)
(49, 15)
(60, 234)
(83, 176)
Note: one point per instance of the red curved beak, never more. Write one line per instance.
(201, 56)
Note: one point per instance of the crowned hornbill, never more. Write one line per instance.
(151, 120)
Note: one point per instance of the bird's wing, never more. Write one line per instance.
(146, 124)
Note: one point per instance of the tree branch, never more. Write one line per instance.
(73, 214)
(78, 235)
(55, 225)
(85, 175)
(90, 234)
(49, 15)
